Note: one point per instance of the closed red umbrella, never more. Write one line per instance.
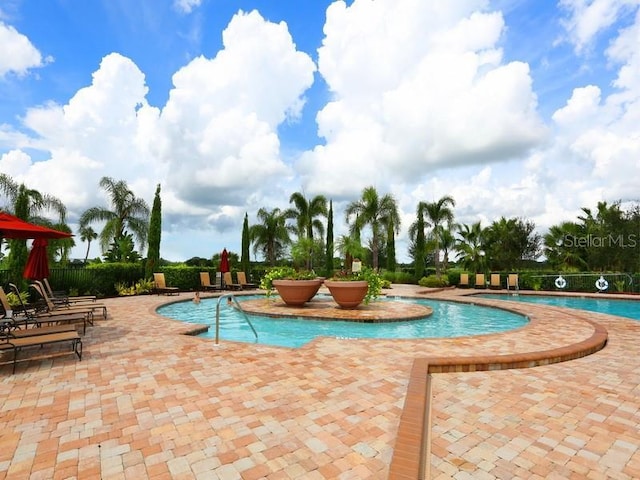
(224, 264)
(37, 264)
(224, 261)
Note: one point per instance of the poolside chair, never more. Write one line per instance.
(51, 306)
(464, 280)
(242, 280)
(50, 314)
(18, 325)
(228, 282)
(161, 285)
(512, 282)
(205, 282)
(9, 343)
(480, 281)
(59, 295)
(494, 281)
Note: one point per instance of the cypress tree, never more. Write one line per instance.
(420, 246)
(329, 244)
(244, 255)
(155, 232)
(391, 247)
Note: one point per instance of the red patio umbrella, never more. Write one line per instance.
(37, 266)
(15, 228)
(224, 263)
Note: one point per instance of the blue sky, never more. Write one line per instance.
(515, 107)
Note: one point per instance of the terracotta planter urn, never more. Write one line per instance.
(296, 293)
(347, 294)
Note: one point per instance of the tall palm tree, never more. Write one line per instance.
(377, 213)
(271, 235)
(128, 214)
(437, 214)
(87, 234)
(349, 247)
(305, 213)
(470, 246)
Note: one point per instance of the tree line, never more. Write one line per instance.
(607, 238)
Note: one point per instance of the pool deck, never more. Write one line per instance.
(148, 402)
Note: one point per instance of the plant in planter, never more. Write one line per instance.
(349, 289)
(295, 287)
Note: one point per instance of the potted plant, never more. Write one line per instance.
(294, 287)
(349, 289)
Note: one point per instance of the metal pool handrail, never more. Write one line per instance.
(231, 297)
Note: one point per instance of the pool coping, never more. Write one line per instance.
(412, 452)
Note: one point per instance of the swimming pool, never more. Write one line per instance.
(621, 308)
(449, 319)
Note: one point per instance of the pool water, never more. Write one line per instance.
(449, 319)
(621, 308)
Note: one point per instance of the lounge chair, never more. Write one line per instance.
(68, 307)
(228, 282)
(161, 285)
(242, 280)
(89, 302)
(18, 345)
(480, 281)
(205, 282)
(30, 317)
(62, 296)
(512, 282)
(464, 280)
(494, 281)
(18, 326)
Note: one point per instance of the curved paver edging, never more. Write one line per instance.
(412, 451)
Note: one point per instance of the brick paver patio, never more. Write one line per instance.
(148, 402)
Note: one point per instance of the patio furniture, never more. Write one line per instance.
(29, 317)
(68, 307)
(242, 280)
(60, 296)
(494, 281)
(161, 285)
(18, 345)
(205, 282)
(228, 282)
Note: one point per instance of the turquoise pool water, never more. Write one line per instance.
(449, 319)
(621, 308)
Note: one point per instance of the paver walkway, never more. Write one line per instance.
(147, 402)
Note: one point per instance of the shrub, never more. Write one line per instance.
(432, 281)
(284, 273)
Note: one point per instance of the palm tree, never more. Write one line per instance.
(129, 214)
(349, 247)
(271, 236)
(377, 213)
(438, 213)
(87, 234)
(27, 204)
(470, 246)
(305, 212)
